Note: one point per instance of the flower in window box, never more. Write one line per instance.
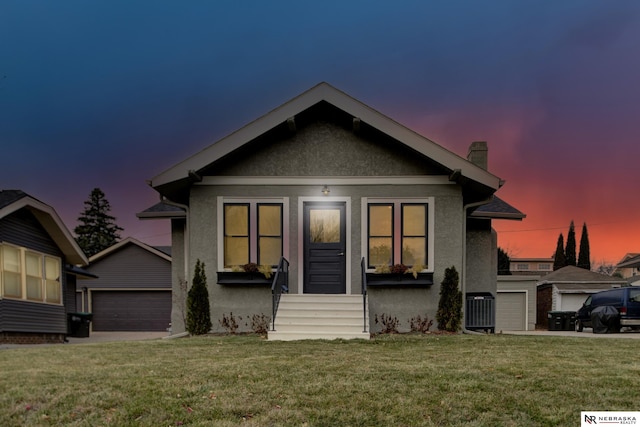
(399, 269)
(417, 268)
(382, 269)
(251, 267)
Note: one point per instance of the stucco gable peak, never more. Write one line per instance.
(339, 99)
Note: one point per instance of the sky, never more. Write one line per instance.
(111, 93)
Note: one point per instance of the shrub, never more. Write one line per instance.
(389, 324)
(449, 315)
(260, 324)
(229, 322)
(418, 324)
(198, 310)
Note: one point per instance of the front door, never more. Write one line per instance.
(324, 248)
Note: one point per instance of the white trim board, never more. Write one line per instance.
(318, 180)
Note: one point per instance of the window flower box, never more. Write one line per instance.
(243, 278)
(399, 280)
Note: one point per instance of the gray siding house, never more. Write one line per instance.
(336, 194)
(132, 291)
(37, 273)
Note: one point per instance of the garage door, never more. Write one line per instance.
(131, 310)
(572, 302)
(511, 311)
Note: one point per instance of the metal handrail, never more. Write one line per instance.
(279, 285)
(363, 266)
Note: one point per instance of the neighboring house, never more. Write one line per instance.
(37, 273)
(531, 266)
(629, 266)
(327, 183)
(566, 289)
(133, 291)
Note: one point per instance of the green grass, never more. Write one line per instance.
(401, 380)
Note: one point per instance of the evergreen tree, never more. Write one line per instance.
(559, 260)
(97, 229)
(570, 250)
(449, 314)
(504, 263)
(198, 310)
(584, 258)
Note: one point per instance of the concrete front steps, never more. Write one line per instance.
(319, 316)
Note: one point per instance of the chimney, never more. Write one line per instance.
(479, 154)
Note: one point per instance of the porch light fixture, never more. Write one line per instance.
(325, 190)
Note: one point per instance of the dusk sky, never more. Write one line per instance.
(111, 93)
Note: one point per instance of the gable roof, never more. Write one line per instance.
(327, 93)
(573, 274)
(129, 241)
(630, 261)
(13, 200)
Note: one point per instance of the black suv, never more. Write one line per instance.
(626, 300)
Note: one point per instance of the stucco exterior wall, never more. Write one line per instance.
(324, 149)
(180, 277)
(482, 261)
(246, 302)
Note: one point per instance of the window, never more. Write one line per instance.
(522, 267)
(30, 275)
(253, 232)
(544, 266)
(236, 234)
(398, 232)
(11, 272)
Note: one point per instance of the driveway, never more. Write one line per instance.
(587, 333)
(95, 337)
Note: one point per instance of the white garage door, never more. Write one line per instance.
(511, 310)
(572, 302)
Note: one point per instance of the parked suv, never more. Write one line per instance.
(626, 300)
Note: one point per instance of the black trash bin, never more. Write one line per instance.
(78, 324)
(569, 320)
(562, 320)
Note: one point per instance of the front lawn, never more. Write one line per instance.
(401, 380)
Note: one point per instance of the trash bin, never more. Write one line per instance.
(78, 324)
(562, 320)
(569, 320)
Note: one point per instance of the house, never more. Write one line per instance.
(328, 189)
(531, 266)
(38, 271)
(629, 266)
(566, 289)
(133, 288)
